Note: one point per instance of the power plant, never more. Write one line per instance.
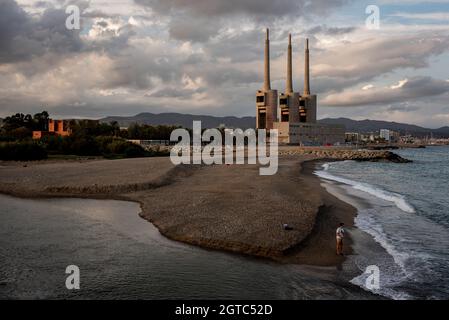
(266, 99)
(297, 121)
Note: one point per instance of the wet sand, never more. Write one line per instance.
(222, 207)
(225, 207)
(319, 247)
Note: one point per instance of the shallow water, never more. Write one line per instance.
(122, 256)
(407, 214)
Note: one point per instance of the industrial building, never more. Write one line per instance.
(297, 121)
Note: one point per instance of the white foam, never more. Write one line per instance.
(396, 198)
(366, 222)
(390, 278)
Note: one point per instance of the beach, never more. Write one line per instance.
(226, 207)
(223, 207)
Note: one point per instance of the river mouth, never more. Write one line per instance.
(122, 256)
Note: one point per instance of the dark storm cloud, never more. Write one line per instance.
(199, 20)
(219, 8)
(246, 7)
(247, 46)
(23, 37)
(196, 30)
(229, 76)
(174, 93)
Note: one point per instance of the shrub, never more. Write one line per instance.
(134, 151)
(126, 148)
(103, 142)
(22, 151)
(83, 146)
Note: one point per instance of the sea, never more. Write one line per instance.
(404, 207)
(402, 229)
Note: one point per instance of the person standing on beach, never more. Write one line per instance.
(340, 233)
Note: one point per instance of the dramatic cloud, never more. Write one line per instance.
(255, 8)
(407, 89)
(332, 31)
(206, 56)
(368, 58)
(22, 37)
(199, 20)
(200, 29)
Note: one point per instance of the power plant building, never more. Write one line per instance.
(297, 121)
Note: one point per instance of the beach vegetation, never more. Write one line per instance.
(20, 151)
(87, 138)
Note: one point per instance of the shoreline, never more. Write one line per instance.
(209, 219)
(313, 243)
(322, 237)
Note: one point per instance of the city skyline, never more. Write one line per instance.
(205, 57)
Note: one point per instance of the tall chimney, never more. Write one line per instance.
(306, 71)
(289, 86)
(267, 83)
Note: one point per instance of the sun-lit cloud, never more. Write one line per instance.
(404, 90)
(206, 56)
(442, 16)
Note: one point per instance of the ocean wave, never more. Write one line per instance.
(397, 199)
(365, 221)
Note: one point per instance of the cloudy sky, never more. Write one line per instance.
(205, 57)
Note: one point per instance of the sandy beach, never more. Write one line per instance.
(221, 207)
(225, 207)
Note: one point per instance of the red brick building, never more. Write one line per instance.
(55, 128)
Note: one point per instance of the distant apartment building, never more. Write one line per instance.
(395, 136)
(389, 135)
(352, 137)
(59, 128)
(385, 134)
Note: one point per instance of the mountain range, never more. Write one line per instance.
(360, 126)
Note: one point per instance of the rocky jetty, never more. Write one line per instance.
(346, 154)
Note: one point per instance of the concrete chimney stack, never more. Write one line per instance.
(266, 98)
(306, 71)
(289, 85)
(267, 82)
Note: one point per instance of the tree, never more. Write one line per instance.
(41, 121)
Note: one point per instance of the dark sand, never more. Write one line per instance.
(226, 207)
(319, 247)
(221, 207)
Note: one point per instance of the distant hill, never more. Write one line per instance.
(185, 120)
(365, 126)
